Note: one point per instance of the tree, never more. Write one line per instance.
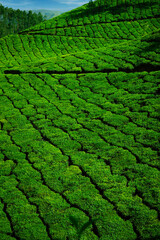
(40, 17)
(91, 4)
(13, 21)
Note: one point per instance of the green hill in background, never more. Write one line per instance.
(47, 14)
(79, 125)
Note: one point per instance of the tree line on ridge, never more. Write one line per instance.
(13, 21)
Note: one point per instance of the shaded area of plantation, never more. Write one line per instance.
(79, 126)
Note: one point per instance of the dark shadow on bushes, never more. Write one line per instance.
(114, 10)
(153, 40)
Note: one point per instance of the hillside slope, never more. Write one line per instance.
(79, 125)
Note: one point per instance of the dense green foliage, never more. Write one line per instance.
(79, 125)
(13, 21)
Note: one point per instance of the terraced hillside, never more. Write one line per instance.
(79, 120)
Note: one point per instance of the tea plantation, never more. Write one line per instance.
(79, 125)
